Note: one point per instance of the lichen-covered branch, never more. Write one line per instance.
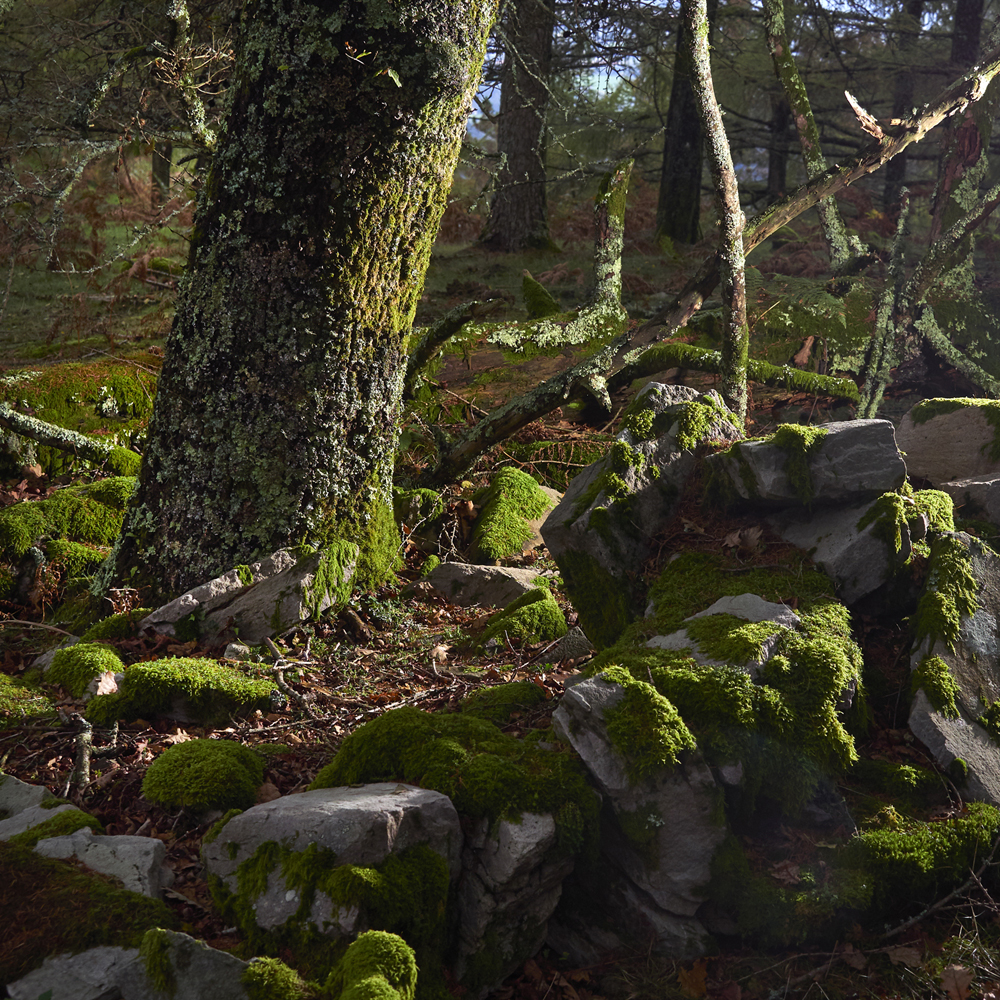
(805, 125)
(187, 85)
(121, 461)
(662, 356)
(81, 121)
(732, 274)
(880, 354)
(926, 324)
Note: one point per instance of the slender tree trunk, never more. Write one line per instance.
(777, 154)
(678, 209)
(519, 209)
(732, 272)
(163, 155)
(902, 100)
(275, 417)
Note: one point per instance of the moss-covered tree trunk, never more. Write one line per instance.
(275, 418)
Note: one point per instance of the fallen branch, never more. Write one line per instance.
(121, 461)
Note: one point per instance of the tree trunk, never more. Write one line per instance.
(777, 154)
(678, 208)
(519, 209)
(163, 154)
(902, 100)
(275, 417)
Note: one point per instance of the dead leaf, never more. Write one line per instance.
(179, 737)
(956, 980)
(440, 653)
(692, 981)
(692, 527)
(786, 872)
(267, 793)
(106, 683)
(801, 357)
(905, 954)
(732, 540)
(854, 958)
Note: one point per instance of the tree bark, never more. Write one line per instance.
(275, 417)
(678, 209)
(732, 271)
(519, 209)
(902, 100)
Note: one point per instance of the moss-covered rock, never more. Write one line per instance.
(20, 702)
(377, 965)
(74, 667)
(56, 909)
(189, 687)
(205, 774)
(485, 773)
(60, 825)
(271, 979)
(511, 501)
(499, 704)
(119, 626)
(532, 617)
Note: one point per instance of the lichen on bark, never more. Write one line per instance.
(275, 419)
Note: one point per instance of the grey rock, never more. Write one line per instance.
(467, 585)
(615, 536)
(680, 805)
(856, 461)
(137, 862)
(32, 816)
(361, 826)
(284, 592)
(950, 446)
(572, 646)
(200, 973)
(44, 660)
(511, 882)
(90, 975)
(750, 608)
(17, 795)
(976, 497)
(857, 560)
(951, 739)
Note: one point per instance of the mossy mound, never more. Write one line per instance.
(377, 966)
(60, 825)
(532, 617)
(271, 979)
(50, 907)
(483, 771)
(205, 774)
(499, 704)
(204, 689)
(109, 399)
(89, 515)
(20, 702)
(74, 667)
(511, 501)
(120, 626)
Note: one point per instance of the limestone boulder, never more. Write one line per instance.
(847, 462)
(358, 826)
(137, 862)
(17, 795)
(262, 599)
(950, 439)
(25, 819)
(90, 975)
(467, 585)
(977, 497)
(601, 532)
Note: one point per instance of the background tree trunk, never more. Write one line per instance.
(275, 417)
(902, 99)
(519, 209)
(678, 208)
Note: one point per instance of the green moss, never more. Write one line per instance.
(58, 909)
(532, 617)
(60, 825)
(205, 774)
(889, 514)
(698, 420)
(799, 443)
(210, 691)
(119, 626)
(20, 702)
(74, 667)
(730, 639)
(271, 979)
(413, 507)
(950, 592)
(245, 574)
(212, 834)
(939, 508)
(538, 300)
(644, 727)
(605, 603)
(990, 720)
(339, 571)
(77, 558)
(483, 771)
(155, 954)
(431, 563)
(498, 704)
(377, 955)
(934, 678)
(90, 514)
(512, 500)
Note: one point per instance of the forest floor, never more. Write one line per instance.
(405, 646)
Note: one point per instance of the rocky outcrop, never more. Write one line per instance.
(949, 439)
(467, 585)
